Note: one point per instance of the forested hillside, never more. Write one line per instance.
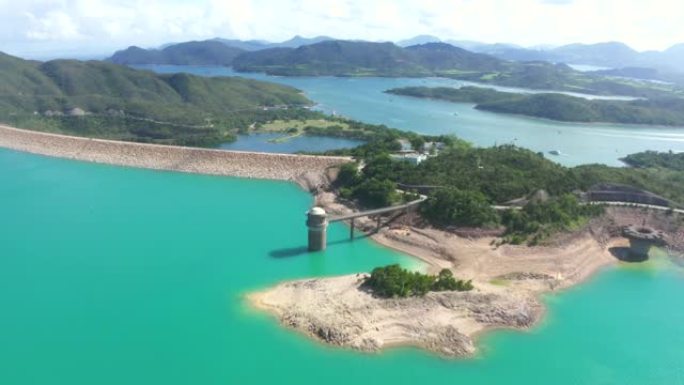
(107, 100)
(657, 111)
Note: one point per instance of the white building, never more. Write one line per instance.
(413, 158)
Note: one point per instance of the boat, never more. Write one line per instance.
(554, 152)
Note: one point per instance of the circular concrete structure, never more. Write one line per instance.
(317, 222)
(641, 239)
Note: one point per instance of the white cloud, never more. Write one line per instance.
(54, 25)
(91, 25)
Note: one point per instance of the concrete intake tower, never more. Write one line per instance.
(641, 239)
(317, 222)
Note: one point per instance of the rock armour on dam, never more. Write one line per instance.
(173, 158)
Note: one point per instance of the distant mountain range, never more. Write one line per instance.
(362, 58)
(351, 58)
(222, 52)
(209, 52)
(316, 56)
(256, 45)
(190, 53)
(609, 54)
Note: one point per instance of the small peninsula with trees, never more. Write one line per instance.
(666, 111)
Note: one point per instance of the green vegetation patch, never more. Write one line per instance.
(394, 281)
(654, 159)
(465, 182)
(538, 220)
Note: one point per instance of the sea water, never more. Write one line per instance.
(364, 99)
(282, 144)
(112, 275)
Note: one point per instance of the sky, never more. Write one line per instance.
(82, 28)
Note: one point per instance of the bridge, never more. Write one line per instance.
(317, 221)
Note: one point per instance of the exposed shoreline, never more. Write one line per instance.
(255, 165)
(509, 281)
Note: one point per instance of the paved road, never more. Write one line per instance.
(642, 205)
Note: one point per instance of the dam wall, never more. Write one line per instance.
(172, 158)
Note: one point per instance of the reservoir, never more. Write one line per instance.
(112, 275)
(279, 143)
(363, 99)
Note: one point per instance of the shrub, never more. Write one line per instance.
(394, 281)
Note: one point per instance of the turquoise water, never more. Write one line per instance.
(363, 99)
(111, 275)
(261, 142)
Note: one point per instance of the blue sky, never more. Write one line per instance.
(45, 28)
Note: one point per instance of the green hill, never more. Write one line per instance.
(191, 53)
(443, 57)
(358, 58)
(657, 111)
(335, 58)
(107, 100)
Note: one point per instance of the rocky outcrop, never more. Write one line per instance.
(338, 311)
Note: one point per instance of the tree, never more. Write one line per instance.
(417, 143)
(376, 193)
(348, 175)
(456, 207)
(394, 281)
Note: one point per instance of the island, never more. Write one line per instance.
(665, 111)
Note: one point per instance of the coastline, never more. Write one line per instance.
(509, 282)
(253, 165)
(508, 279)
(339, 312)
